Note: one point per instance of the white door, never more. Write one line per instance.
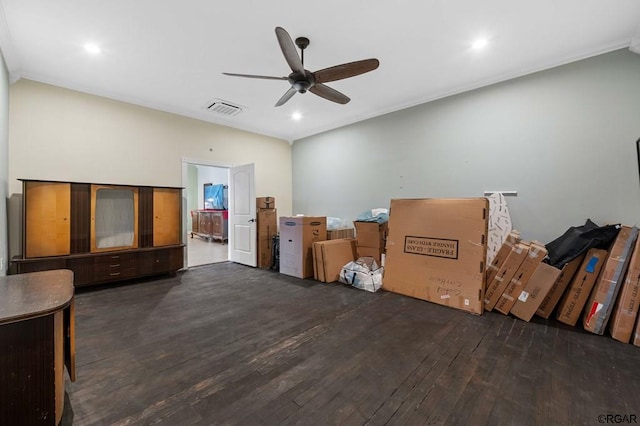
(242, 216)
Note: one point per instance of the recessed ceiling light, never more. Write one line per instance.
(480, 43)
(296, 116)
(92, 48)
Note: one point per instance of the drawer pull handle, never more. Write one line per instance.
(115, 266)
(113, 274)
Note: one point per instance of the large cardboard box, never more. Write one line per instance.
(374, 252)
(436, 251)
(371, 234)
(508, 269)
(265, 203)
(575, 297)
(625, 311)
(330, 256)
(297, 235)
(534, 292)
(335, 234)
(636, 334)
(492, 269)
(536, 253)
(267, 228)
(604, 294)
(559, 286)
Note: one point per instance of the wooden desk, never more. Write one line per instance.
(37, 339)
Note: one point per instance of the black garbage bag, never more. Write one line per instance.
(578, 239)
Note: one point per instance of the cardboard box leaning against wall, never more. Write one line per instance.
(575, 297)
(330, 256)
(536, 253)
(267, 228)
(535, 291)
(605, 292)
(506, 272)
(625, 311)
(492, 269)
(559, 286)
(436, 251)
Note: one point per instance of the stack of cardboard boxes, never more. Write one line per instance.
(371, 238)
(267, 228)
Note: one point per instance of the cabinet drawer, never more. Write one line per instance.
(108, 274)
(115, 260)
(114, 267)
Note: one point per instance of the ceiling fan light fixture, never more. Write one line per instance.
(480, 44)
(297, 116)
(92, 48)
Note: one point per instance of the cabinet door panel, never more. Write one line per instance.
(47, 219)
(166, 216)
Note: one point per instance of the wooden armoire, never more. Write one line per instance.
(102, 232)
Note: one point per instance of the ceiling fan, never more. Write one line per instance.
(302, 80)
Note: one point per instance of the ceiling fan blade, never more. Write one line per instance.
(289, 50)
(288, 95)
(329, 93)
(264, 77)
(350, 69)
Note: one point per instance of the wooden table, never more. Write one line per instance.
(37, 339)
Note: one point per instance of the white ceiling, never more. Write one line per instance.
(170, 55)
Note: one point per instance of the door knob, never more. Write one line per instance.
(251, 220)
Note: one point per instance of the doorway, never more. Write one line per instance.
(203, 247)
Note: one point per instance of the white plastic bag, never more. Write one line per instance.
(363, 273)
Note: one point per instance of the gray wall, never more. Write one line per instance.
(563, 138)
(4, 165)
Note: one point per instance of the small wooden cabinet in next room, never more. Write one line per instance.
(102, 232)
(210, 224)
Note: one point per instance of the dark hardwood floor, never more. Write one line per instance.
(228, 344)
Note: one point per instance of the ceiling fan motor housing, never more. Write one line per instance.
(301, 82)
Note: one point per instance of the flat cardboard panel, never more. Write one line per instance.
(576, 295)
(625, 311)
(297, 235)
(536, 253)
(318, 260)
(492, 269)
(557, 289)
(604, 294)
(636, 333)
(335, 234)
(508, 269)
(535, 291)
(265, 203)
(335, 254)
(436, 251)
(267, 228)
(265, 255)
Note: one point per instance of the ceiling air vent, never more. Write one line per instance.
(224, 108)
